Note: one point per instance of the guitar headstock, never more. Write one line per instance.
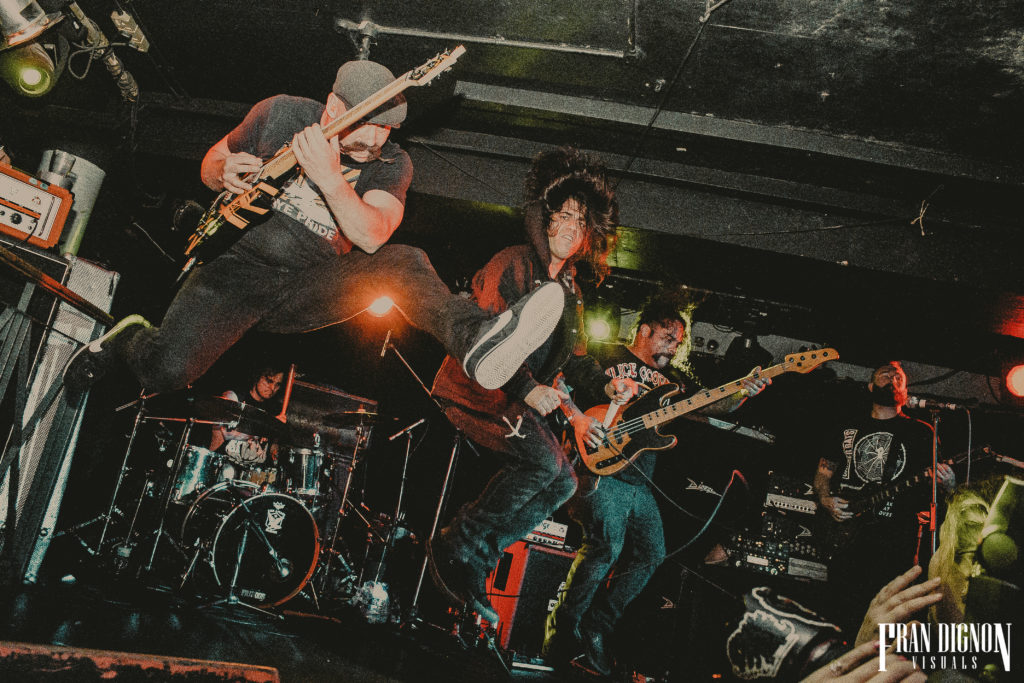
(436, 66)
(805, 361)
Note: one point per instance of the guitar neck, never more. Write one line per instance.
(891, 491)
(284, 160)
(707, 397)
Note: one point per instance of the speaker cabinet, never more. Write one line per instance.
(32, 488)
(523, 589)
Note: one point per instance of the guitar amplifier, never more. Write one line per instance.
(524, 588)
(30, 209)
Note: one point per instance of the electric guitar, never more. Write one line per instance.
(634, 429)
(229, 216)
(831, 535)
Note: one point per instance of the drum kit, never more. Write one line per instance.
(253, 532)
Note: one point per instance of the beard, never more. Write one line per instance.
(662, 359)
(886, 396)
(372, 151)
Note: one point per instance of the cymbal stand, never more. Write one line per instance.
(412, 614)
(397, 518)
(179, 456)
(329, 548)
(108, 517)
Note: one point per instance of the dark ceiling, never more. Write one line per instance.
(850, 166)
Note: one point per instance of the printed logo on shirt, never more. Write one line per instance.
(866, 459)
(298, 200)
(646, 376)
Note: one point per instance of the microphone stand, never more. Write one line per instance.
(933, 509)
(412, 617)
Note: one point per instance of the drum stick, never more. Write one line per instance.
(287, 394)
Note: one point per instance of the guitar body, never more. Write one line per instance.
(624, 444)
(832, 536)
(224, 222)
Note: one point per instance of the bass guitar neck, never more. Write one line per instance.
(635, 429)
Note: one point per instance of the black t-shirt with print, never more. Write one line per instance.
(869, 452)
(618, 361)
(272, 123)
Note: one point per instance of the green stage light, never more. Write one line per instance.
(28, 69)
(598, 329)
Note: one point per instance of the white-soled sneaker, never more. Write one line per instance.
(507, 340)
(89, 363)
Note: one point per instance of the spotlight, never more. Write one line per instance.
(598, 329)
(28, 69)
(381, 306)
(23, 20)
(1015, 380)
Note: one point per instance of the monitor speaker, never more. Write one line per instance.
(524, 588)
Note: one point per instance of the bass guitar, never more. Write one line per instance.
(634, 429)
(831, 535)
(230, 215)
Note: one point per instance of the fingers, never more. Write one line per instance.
(237, 165)
(897, 668)
(900, 582)
(844, 666)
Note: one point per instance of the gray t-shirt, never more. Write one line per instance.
(271, 124)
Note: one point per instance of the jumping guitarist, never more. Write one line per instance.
(614, 509)
(309, 214)
(867, 453)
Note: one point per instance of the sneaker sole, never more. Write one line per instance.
(96, 345)
(543, 310)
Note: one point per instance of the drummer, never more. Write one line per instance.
(250, 449)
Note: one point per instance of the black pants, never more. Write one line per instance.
(289, 281)
(534, 481)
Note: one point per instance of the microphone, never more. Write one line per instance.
(384, 348)
(411, 427)
(932, 404)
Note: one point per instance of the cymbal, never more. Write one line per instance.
(250, 418)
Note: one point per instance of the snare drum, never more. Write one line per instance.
(199, 471)
(264, 477)
(280, 537)
(302, 469)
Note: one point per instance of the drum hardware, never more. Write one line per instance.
(329, 551)
(169, 488)
(267, 543)
(399, 515)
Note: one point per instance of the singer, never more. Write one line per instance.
(867, 454)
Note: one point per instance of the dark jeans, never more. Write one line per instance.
(288, 282)
(608, 515)
(534, 481)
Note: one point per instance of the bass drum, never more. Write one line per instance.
(269, 539)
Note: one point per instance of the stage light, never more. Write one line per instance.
(1015, 380)
(23, 20)
(28, 69)
(598, 329)
(381, 306)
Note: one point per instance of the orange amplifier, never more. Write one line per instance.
(32, 209)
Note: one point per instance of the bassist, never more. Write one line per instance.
(621, 508)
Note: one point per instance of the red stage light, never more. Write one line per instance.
(1015, 380)
(381, 306)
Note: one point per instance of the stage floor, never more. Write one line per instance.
(303, 646)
